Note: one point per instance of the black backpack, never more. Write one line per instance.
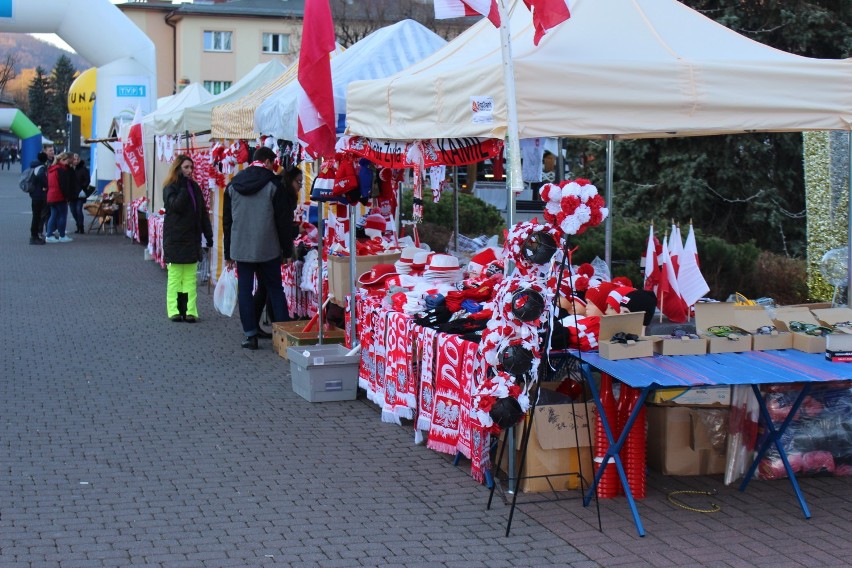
(28, 182)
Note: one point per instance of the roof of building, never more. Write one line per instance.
(263, 8)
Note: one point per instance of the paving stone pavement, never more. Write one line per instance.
(131, 440)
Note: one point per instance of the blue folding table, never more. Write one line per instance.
(750, 368)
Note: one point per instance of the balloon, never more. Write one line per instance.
(833, 266)
(81, 99)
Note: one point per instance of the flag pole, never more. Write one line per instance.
(515, 182)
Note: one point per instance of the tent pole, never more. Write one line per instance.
(456, 208)
(515, 182)
(320, 247)
(610, 159)
(849, 228)
(353, 251)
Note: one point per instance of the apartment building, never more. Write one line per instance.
(216, 42)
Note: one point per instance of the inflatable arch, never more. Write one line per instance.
(101, 33)
(22, 127)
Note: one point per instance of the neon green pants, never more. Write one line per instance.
(181, 281)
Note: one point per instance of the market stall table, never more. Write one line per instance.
(752, 368)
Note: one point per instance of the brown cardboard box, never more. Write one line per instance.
(667, 345)
(339, 285)
(552, 448)
(801, 341)
(289, 334)
(751, 318)
(831, 316)
(719, 313)
(673, 435)
(627, 323)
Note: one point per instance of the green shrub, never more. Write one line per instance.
(475, 216)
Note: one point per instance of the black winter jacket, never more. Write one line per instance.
(184, 224)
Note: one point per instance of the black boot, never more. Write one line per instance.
(250, 343)
(80, 230)
(182, 299)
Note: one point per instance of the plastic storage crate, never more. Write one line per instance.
(322, 373)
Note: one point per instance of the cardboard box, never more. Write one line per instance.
(289, 334)
(339, 284)
(678, 443)
(323, 373)
(552, 449)
(752, 318)
(830, 317)
(801, 341)
(667, 345)
(718, 396)
(719, 313)
(626, 323)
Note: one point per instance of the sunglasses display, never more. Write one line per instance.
(809, 328)
(683, 334)
(767, 330)
(730, 332)
(624, 338)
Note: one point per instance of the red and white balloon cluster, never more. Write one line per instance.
(573, 206)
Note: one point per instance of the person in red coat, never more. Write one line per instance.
(60, 185)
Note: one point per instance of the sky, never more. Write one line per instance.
(55, 40)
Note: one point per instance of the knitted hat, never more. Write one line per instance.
(599, 294)
(642, 301)
(375, 223)
(480, 260)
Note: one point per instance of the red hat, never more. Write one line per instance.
(623, 281)
(480, 260)
(377, 275)
(375, 222)
(599, 294)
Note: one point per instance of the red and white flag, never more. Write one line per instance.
(652, 272)
(668, 294)
(317, 124)
(134, 150)
(675, 247)
(461, 8)
(547, 14)
(690, 281)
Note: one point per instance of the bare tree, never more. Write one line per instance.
(356, 19)
(7, 70)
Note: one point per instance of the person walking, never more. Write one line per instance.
(185, 222)
(49, 151)
(38, 197)
(5, 158)
(81, 184)
(60, 184)
(257, 219)
(14, 154)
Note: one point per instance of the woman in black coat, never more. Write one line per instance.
(186, 220)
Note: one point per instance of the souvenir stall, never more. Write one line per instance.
(733, 85)
(182, 127)
(380, 54)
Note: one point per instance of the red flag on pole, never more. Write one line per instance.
(652, 271)
(134, 150)
(547, 14)
(690, 281)
(668, 293)
(461, 8)
(317, 124)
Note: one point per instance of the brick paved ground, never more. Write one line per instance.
(131, 440)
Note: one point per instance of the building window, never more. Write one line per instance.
(216, 87)
(217, 41)
(276, 43)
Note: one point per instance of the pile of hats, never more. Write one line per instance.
(406, 260)
(485, 263)
(443, 268)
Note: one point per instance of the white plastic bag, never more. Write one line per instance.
(225, 294)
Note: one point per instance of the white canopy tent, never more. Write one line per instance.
(620, 68)
(380, 54)
(197, 118)
(193, 95)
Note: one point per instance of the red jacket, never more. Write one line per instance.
(55, 179)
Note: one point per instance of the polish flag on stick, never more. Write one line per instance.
(671, 303)
(317, 124)
(652, 277)
(675, 246)
(690, 281)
